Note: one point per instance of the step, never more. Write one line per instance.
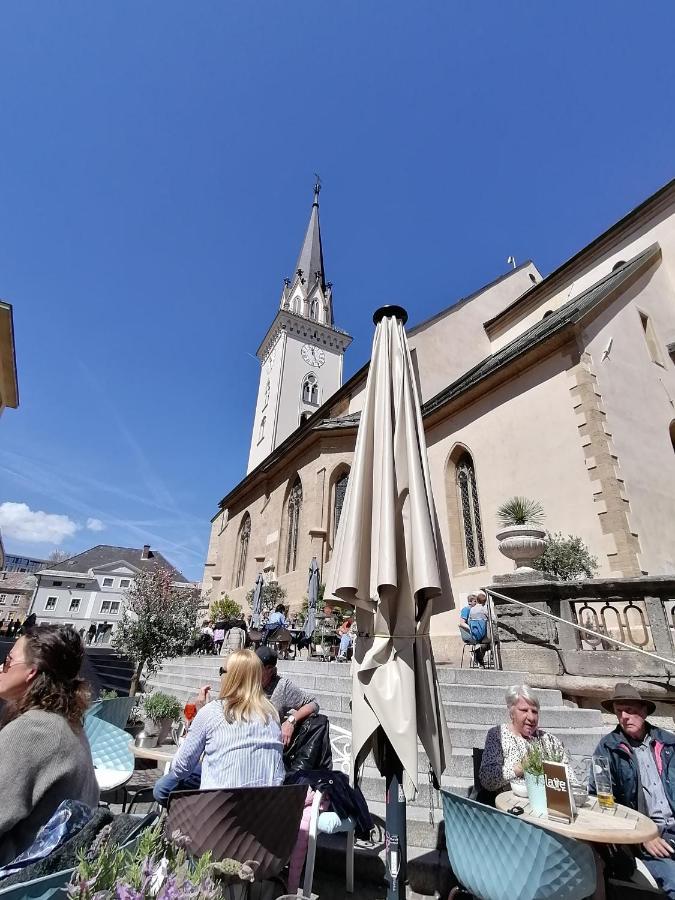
(195, 676)
(445, 674)
(373, 788)
(472, 712)
(580, 739)
(420, 831)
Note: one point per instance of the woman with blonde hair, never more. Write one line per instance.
(239, 734)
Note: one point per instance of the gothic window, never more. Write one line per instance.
(242, 550)
(469, 511)
(261, 433)
(266, 396)
(314, 310)
(297, 304)
(340, 491)
(310, 390)
(294, 507)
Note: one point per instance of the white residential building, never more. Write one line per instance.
(90, 588)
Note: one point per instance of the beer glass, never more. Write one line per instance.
(602, 776)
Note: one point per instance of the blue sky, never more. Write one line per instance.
(156, 169)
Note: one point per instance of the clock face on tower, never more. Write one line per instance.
(313, 356)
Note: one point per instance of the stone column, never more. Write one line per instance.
(658, 622)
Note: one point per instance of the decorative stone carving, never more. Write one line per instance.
(523, 544)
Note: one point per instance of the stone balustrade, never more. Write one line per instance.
(638, 611)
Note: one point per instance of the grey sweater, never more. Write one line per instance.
(42, 762)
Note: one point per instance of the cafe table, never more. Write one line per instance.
(162, 754)
(593, 824)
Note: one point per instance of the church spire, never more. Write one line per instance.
(310, 261)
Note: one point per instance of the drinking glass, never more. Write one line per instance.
(580, 772)
(602, 776)
(189, 711)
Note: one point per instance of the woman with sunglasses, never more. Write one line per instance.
(44, 753)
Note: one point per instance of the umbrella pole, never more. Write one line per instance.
(395, 824)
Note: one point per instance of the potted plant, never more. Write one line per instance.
(521, 537)
(156, 867)
(161, 710)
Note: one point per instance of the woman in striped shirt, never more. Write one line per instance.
(239, 734)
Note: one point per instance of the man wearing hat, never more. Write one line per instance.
(642, 761)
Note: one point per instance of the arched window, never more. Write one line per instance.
(310, 390)
(294, 507)
(340, 491)
(314, 310)
(467, 492)
(242, 550)
(297, 304)
(261, 433)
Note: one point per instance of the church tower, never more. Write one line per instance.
(301, 354)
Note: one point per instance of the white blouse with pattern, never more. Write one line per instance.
(504, 750)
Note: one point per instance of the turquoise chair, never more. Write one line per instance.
(116, 711)
(497, 856)
(113, 759)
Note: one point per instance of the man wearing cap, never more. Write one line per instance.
(292, 703)
(642, 761)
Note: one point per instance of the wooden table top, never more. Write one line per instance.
(164, 753)
(618, 826)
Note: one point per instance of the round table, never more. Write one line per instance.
(619, 826)
(164, 753)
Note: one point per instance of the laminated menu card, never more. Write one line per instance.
(559, 798)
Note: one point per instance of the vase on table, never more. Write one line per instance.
(536, 793)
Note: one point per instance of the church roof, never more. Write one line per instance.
(568, 314)
(311, 254)
(340, 421)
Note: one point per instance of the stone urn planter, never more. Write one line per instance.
(523, 544)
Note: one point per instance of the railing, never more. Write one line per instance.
(636, 614)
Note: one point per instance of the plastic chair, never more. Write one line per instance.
(321, 823)
(516, 859)
(115, 711)
(259, 823)
(113, 760)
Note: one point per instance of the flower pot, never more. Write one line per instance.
(164, 730)
(536, 793)
(522, 544)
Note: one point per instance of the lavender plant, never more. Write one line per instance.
(158, 868)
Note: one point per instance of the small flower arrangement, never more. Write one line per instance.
(537, 755)
(158, 868)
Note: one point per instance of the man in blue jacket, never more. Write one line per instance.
(642, 760)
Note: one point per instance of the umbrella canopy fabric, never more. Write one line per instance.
(256, 606)
(312, 597)
(386, 564)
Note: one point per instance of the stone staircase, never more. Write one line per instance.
(473, 700)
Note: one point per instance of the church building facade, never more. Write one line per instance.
(561, 389)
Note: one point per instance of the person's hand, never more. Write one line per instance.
(203, 696)
(659, 848)
(518, 770)
(287, 729)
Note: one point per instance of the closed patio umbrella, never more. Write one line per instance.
(312, 598)
(386, 564)
(256, 605)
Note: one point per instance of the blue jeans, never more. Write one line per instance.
(169, 783)
(663, 870)
(345, 644)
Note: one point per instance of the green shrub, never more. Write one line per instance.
(161, 706)
(566, 558)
